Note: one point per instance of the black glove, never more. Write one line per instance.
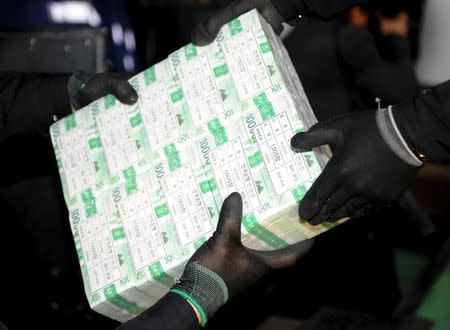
(223, 267)
(370, 167)
(86, 88)
(206, 32)
(274, 11)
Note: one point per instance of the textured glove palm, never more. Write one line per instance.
(223, 267)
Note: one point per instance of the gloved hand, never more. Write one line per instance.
(274, 11)
(223, 267)
(206, 32)
(371, 166)
(85, 88)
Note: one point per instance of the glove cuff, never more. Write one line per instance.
(203, 288)
(394, 139)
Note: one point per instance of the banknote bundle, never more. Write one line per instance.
(144, 184)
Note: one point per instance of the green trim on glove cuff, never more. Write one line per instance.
(193, 302)
(204, 286)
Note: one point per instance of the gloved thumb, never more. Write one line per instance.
(207, 31)
(230, 219)
(122, 89)
(317, 136)
(84, 89)
(285, 257)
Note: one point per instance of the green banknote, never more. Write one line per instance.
(144, 184)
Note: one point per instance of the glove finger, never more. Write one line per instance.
(273, 17)
(322, 189)
(350, 209)
(101, 86)
(122, 89)
(326, 184)
(121, 75)
(317, 136)
(207, 31)
(265, 8)
(285, 257)
(369, 208)
(341, 197)
(230, 219)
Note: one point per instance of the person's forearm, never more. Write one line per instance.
(172, 312)
(344, 320)
(424, 122)
(374, 76)
(397, 79)
(29, 101)
(314, 8)
(400, 48)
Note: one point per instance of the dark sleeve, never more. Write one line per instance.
(328, 318)
(393, 80)
(425, 123)
(314, 8)
(29, 101)
(172, 312)
(400, 48)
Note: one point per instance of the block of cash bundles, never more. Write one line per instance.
(144, 184)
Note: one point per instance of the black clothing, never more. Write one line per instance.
(314, 8)
(34, 226)
(172, 312)
(342, 69)
(371, 75)
(425, 123)
(28, 102)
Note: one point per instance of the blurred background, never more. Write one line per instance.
(394, 262)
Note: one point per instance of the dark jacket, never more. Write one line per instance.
(28, 103)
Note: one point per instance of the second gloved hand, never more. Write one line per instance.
(274, 11)
(223, 267)
(371, 165)
(86, 88)
(206, 32)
